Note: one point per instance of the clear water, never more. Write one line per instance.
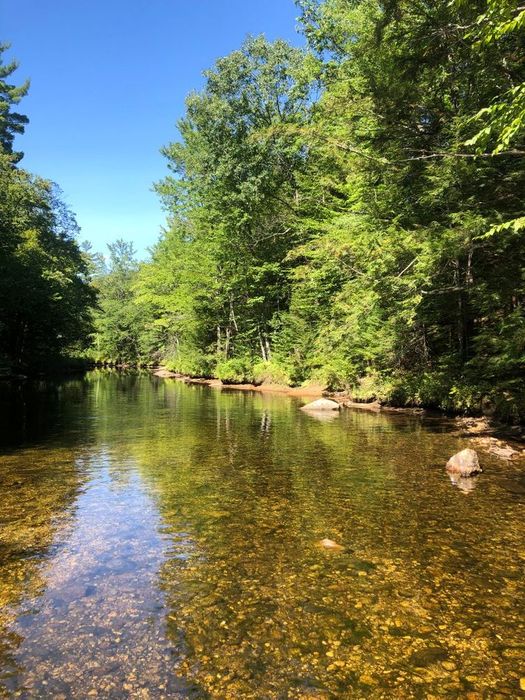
(160, 540)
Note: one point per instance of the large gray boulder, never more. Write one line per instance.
(322, 405)
(465, 463)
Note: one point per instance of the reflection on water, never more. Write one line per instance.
(161, 540)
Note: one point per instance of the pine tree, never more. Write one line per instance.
(11, 122)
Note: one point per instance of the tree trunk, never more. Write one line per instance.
(262, 346)
(227, 343)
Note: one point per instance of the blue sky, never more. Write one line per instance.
(108, 82)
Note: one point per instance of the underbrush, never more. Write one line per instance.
(266, 372)
(235, 371)
(190, 362)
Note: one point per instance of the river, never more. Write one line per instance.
(161, 540)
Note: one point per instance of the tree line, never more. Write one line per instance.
(349, 213)
(46, 298)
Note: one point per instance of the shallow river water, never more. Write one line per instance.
(160, 540)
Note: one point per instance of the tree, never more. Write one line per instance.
(503, 120)
(46, 298)
(403, 88)
(352, 213)
(11, 123)
(118, 320)
(235, 194)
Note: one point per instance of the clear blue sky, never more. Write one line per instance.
(108, 82)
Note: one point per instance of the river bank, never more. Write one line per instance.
(498, 439)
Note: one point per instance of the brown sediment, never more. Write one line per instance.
(370, 406)
(316, 390)
(165, 373)
(499, 448)
(308, 390)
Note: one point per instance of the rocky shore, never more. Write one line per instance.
(506, 443)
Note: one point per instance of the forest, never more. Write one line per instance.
(349, 213)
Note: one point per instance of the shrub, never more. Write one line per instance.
(270, 373)
(234, 371)
(190, 362)
(337, 374)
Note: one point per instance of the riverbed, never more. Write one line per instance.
(161, 540)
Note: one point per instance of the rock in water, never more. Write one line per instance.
(428, 656)
(322, 405)
(465, 463)
(330, 544)
(505, 452)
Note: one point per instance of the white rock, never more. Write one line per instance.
(465, 463)
(329, 544)
(322, 405)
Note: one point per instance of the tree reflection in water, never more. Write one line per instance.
(187, 563)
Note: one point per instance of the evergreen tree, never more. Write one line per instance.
(45, 295)
(118, 320)
(11, 122)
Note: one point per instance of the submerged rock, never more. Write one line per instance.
(465, 463)
(322, 405)
(323, 416)
(505, 452)
(330, 544)
(428, 656)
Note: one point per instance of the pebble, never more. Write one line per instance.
(449, 665)
(367, 679)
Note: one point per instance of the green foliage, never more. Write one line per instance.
(45, 291)
(235, 371)
(119, 319)
(502, 121)
(270, 372)
(11, 123)
(353, 213)
(190, 362)
(430, 243)
(233, 201)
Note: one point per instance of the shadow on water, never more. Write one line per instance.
(165, 544)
